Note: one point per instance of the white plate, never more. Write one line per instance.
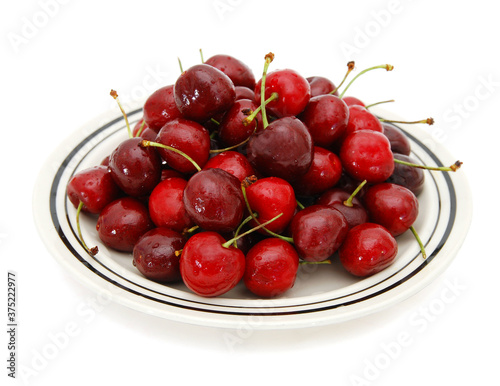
(322, 294)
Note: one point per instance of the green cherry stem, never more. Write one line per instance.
(229, 242)
(180, 64)
(201, 56)
(114, 94)
(417, 237)
(350, 67)
(146, 143)
(254, 113)
(387, 67)
(268, 59)
(237, 232)
(348, 202)
(379, 103)
(451, 168)
(216, 151)
(327, 261)
(92, 251)
(429, 121)
(139, 132)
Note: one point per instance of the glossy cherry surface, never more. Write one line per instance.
(321, 86)
(232, 162)
(235, 69)
(160, 108)
(232, 129)
(408, 176)
(335, 198)
(398, 139)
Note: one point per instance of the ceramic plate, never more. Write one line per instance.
(322, 294)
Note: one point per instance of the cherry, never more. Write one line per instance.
(142, 130)
(398, 139)
(269, 197)
(352, 101)
(355, 214)
(236, 70)
(293, 92)
(166, 206)
(209, 268)
(361, 118)
(284, 149)
(189, 137)
(321, 86)
(324, 173)
(392, 206)
(154, 255)
(326, 117)
(135, 169)
(367, 155)
(244, 93)
(214, 200)
(271, 268)
(233, 130)
(367, 249)
(232, 162)
(122, 222)
(160, 108)
(318, 231)
(94, 187)
(202, 91)
(408, 176)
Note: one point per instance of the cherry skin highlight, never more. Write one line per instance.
(160, 108)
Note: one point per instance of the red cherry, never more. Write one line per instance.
(236, 70)
(166, 206)
(361, 118)
(202, 91)
(160, 108)
(244, 93)
(367, 249)
(367, 155)
(352, 101)
(408, 176)
(321, 86)
(154, 255)
(318, 231)
(214, 200)
(94, 187)
(293, 92)
(122, 222)
(207, 267)
(271, 268)
(232, 162)
(398, 139)
(145, 131)
(392, 206)
(324, 173)
(335, 198)
(232, 130)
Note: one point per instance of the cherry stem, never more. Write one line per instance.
(327, 261)
(190, 230)
(114, 94)
(350, 67)
(215, 151)
(92, 251)
(429, 121)
(417, 237)
(215, 121)
(229, 242)
(269, 58)
(254, 215)
(254, 113)
(348, 202)
(379, 103)
(201, 56)
(139, 132)
(299, 204)
(387, 67)
(249, 218)
(180, 64)
(146, 143)
(451, 168)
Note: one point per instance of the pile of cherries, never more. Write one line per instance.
(227, 178)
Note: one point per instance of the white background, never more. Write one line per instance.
(60, 59)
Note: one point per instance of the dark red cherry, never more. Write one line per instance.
(207, 267)
(352, 101)
(326, 117)
(166, 206)
(324, 173)
(368, 248)
(284, 149)
(293, 91)
(244, 93)
(361, 118)
(367, 155)
(271, 268)
(335, 198)
(408, 176)
(187, 136)
(232, 162)
(321, 86)
(145, 131)
(392, 206)
(232, 129)
(135, 169)
(122, 222)
(154, 255)
(160, 108)
(94, 187)
(269, 197)
(236, 70)
(318, 231)
(398, 139)
(214, 200)
(202, 91)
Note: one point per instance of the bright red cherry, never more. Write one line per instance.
(360, 118)
(244, 93)
(160, 108)
(352, 101)
(232, 162)
(207, 267)
(236, 70)
(271, 268)
(367, 249)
